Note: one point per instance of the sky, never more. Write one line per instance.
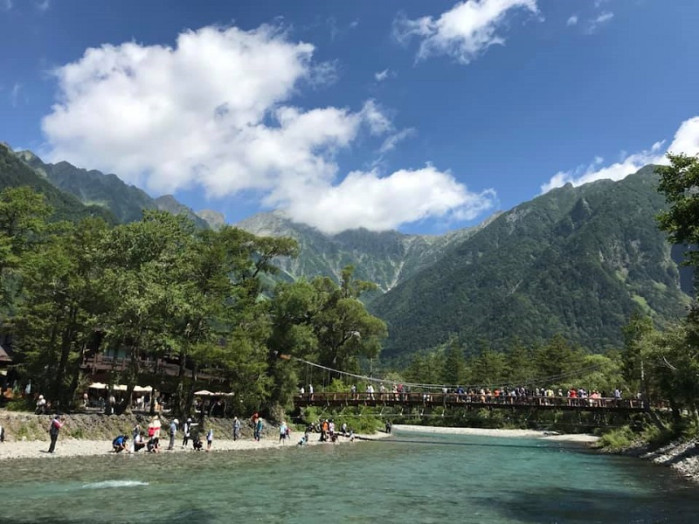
(419, 116)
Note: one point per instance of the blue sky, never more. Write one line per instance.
(411, 115)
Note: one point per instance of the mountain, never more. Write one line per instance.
(14, 172)
(385, 258)
(171, 205)
(576, 261)
(215, 219)
(93, 187)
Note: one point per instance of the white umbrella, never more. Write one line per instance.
(97, 385)
(222, 394)
(204, 393)
(143, 389)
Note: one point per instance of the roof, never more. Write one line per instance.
(4, 357)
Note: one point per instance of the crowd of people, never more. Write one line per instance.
(505, 395)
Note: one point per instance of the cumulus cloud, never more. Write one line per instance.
(215, 112)
(686, 140)
(573, 20)
(464, 32)
(365, 199)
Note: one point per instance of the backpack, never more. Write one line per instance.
(151, 431)
(53, 430)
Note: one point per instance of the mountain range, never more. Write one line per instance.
(575, 261)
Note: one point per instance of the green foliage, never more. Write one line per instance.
(574, 261)
(618, 439)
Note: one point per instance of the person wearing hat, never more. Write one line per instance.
(173, 433)
(187, 431)
(41, 405)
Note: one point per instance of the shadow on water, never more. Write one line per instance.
(189, 516)
(581, 505)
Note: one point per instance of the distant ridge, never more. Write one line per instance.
(15, 173)
(93, 187)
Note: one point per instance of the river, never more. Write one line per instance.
(410, 478)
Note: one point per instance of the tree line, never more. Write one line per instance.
(159, 288)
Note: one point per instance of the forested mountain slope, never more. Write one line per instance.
(93, 187)
(575, 261)
(15, 173)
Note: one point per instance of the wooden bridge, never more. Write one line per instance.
(467, 401)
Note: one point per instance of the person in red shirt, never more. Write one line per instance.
(56, 425)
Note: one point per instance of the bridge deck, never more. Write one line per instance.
(467, 401)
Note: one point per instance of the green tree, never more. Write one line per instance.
(62, 306)
(23, 215)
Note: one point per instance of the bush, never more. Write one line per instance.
(618, 439)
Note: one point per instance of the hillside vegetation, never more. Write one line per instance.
(575, 261)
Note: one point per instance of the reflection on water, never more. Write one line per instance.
(413, 478)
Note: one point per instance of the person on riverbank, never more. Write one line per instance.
(40, 406)
(236, 428)
(54, 429)
(209, 439)
(173, 433)
(283, 432)
(153, 445)
(154, 427)
(138, 442)
(119, 444)
(187, 431)
(258, 429)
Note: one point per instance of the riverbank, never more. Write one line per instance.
(26, 435)
(682, 456)
(509, 433)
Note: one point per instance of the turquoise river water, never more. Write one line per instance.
(410, 478)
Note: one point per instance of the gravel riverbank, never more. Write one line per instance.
(26, 435)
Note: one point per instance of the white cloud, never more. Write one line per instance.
(5, 5)
(382, 75)
(215, 112)
(573, 20)
(464, 32)
(686, 141)
(593, 25)
(364, 199)
(392, 140)
(43, 5)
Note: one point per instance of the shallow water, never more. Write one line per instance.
(412, 478)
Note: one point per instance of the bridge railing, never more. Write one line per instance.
(465, 399)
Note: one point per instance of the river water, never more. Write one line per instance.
(410, 478)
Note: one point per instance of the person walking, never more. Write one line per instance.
(236, 428)
(282, 432)
(56, 425)
(209, 439)
(187, 430)
(173, 433)
(258, 429)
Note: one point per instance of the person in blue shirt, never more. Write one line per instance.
(119, 444)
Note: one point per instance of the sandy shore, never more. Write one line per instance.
(510, 433)
(82, 448)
